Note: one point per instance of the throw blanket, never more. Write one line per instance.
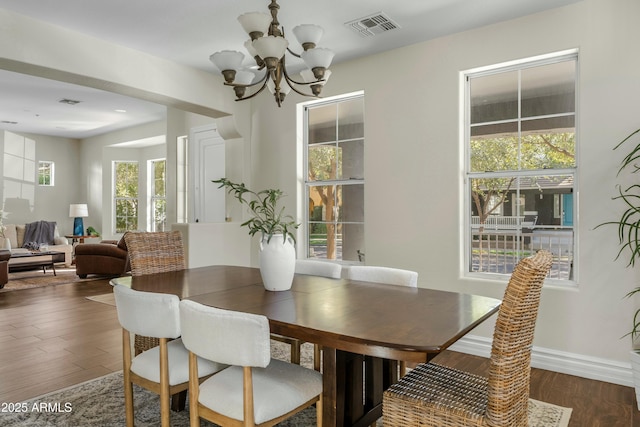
(38, 232)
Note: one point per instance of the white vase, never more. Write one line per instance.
(7, 244)
(277, 262)
(635, 368)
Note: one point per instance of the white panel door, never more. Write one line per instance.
(208, 160)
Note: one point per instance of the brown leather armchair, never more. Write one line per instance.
(4, 267)
(107, 258)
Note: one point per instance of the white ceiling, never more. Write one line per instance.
(188, 32)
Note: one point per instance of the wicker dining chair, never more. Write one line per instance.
(153, 252)
(314, 268)
(436, 395)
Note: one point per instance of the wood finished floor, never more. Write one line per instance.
(53, 337)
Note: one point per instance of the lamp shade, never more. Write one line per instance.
(317, 57)
(227, 59)
(255, 22)
(308, 33)
(249, 46)
(78, 211)
(271, 47)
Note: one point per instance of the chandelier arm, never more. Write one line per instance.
(292, 84)
(293, 53)
(262, 80)
(290, 80)
(264, 85)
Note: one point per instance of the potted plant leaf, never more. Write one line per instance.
(277, 238)
(629, 237)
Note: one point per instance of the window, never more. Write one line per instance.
(521, 165)
(158, 201)
(19, 173)
(334, 178)
(125, 183)
(45, 173)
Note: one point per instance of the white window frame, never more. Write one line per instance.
(115, 198)
(51, 167)
(303, 208)
(152, 193)
(468, 175)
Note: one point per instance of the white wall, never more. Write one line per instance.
(413, 156)
(50, 203)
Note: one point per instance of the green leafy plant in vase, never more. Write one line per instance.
(629, 237)
(277, 242)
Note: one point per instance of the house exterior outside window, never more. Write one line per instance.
(334, 178)
(158, 193)
(125, 203)
(46, 175)
(520, 150)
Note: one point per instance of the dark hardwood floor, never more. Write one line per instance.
(53, 337)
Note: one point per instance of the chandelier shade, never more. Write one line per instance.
(308, 33)
(268, 47)
(255, 22)
(317, 58)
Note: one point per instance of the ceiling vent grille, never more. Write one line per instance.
(372, 25)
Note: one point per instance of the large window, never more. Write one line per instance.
(521, 165)
(125, 184)
(334, 179)
(158, 193)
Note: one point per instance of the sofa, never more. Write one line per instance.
(107, 258)
(15, 234)
(4, 267)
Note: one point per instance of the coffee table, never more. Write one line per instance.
(25, 260)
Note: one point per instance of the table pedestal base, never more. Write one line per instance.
(358, 385)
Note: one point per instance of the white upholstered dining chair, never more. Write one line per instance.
(387, 275)
(163, 369)
(313, 268)
(255, 389)
(319, 268)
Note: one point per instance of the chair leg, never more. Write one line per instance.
(126, 372)
(317, 357)
(165, 397)
(194, 391)
(403, 368)
(319, 411)
(295, 352)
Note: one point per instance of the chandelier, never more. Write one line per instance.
(268, 46)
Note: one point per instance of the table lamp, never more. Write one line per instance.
(78, 211)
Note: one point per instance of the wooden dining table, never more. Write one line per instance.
(363, 328)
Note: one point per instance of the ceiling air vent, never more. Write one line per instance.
(372, 24)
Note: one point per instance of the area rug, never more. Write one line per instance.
(36, 278)
(100, 402)
(108, 299)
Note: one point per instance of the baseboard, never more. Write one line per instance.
(558, 361)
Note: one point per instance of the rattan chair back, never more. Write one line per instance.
(440, 396)
(155, 252)
(510, 364)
